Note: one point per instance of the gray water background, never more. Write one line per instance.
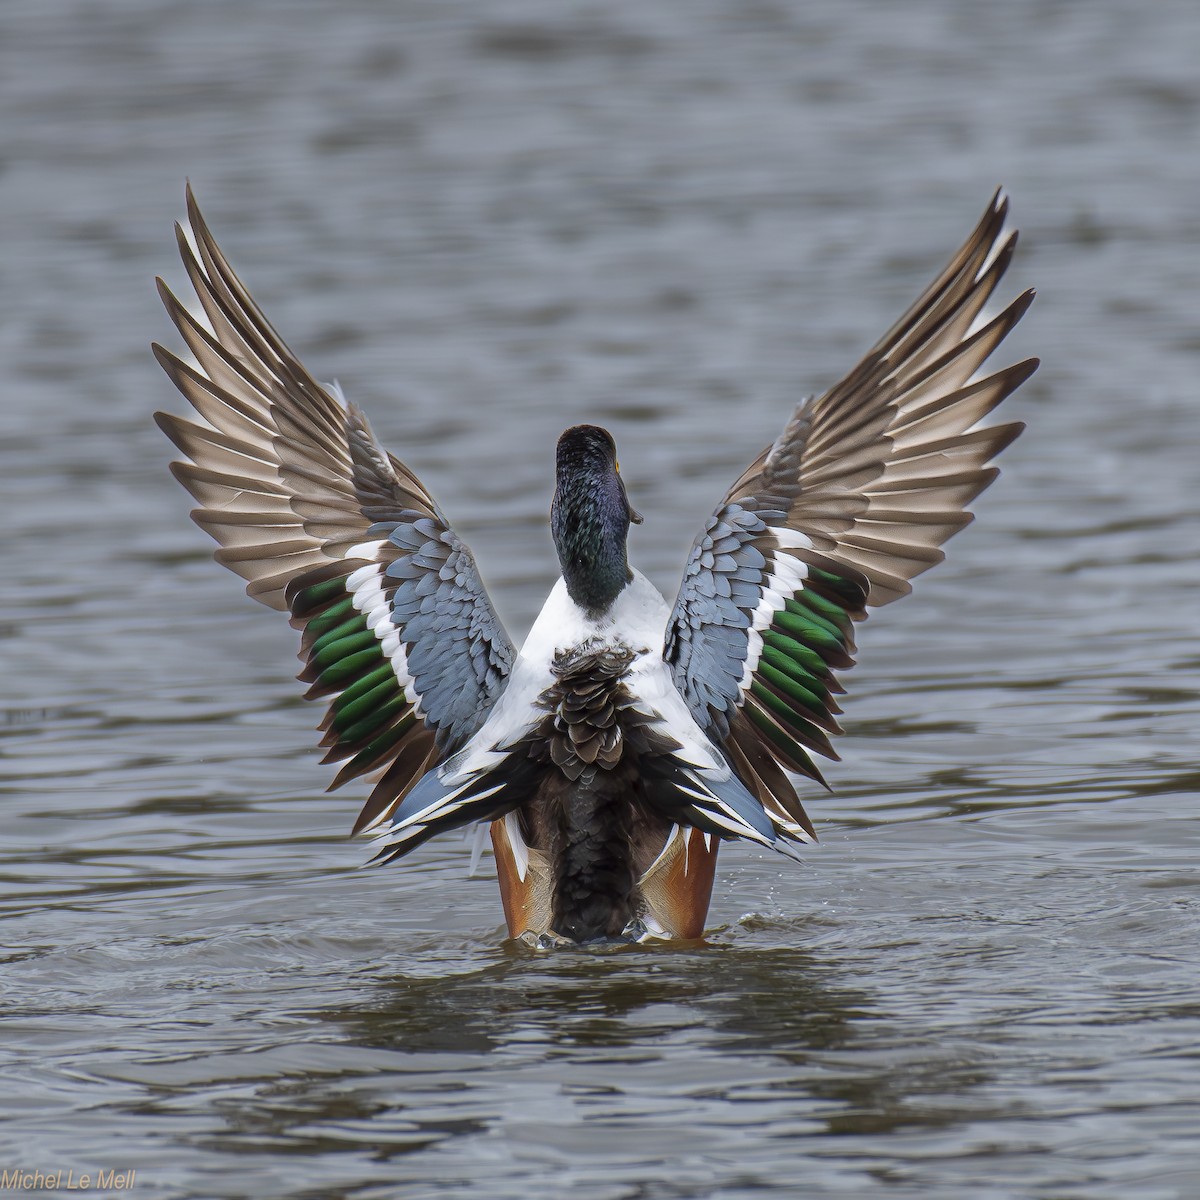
(489, 222)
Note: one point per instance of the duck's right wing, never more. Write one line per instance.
(853, 499)
(321, 521)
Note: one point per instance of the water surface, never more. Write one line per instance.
(490, 222)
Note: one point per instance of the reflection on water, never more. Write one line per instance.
(595, 999)
(592, 1025)
(676, 220)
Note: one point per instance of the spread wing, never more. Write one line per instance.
(852, 500)
(309, 509)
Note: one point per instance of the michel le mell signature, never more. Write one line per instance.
(17, 1179)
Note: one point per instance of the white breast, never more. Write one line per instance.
(637, 619)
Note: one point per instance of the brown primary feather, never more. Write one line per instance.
(902, 422)
(275, 446)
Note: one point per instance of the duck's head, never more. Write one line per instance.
(590, 518)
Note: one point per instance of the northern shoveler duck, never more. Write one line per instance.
(627, 738)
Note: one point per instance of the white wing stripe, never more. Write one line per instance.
(787, 577)
(367, 550)
(366, 588)
(516, 843)
(443, 807)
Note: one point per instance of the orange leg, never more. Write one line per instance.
(526, 901)
(677, 890)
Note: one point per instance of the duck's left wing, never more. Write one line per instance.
(324, 523)
(851, 501)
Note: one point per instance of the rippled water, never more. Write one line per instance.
(491, 221)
